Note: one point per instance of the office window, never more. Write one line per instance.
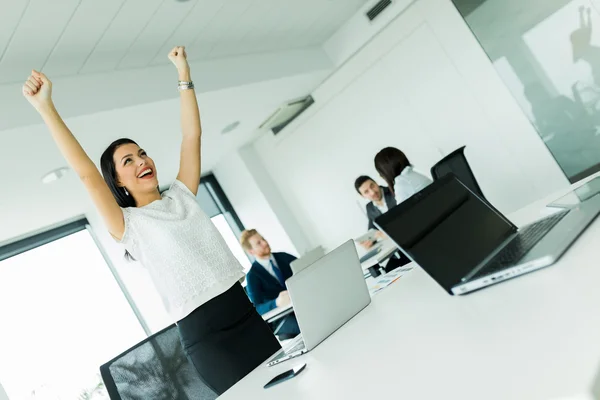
(62, 315)
(548, 55)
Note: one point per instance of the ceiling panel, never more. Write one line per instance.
(85, 29)
(190, 28)
(256, 40)
(232, 29)
(298, 18)
(329, 15)
(71, 37)
(160, 28)
(220, 24)
(35, 36)
(250, 22)
(10, 16)
(120, 35)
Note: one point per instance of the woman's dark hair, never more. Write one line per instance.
(109, 172)
(359, 182)
(390, 162)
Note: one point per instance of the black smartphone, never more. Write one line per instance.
(285, 376)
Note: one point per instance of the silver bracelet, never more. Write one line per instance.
(183, 85)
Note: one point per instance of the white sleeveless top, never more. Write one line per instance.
(187, 258)
(408, 183)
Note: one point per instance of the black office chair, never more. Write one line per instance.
(457, 163)
(156, 368)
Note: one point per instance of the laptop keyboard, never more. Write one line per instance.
(526, 239)
(299, 346)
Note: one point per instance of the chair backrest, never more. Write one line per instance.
(457, 163)
(156, 368)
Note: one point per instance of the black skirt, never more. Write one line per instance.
(225, 339)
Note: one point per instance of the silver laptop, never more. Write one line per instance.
(325, 295)
(307, 259)
(465, 244)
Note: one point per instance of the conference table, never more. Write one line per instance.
(533, 337)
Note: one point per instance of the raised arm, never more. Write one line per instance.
(38, 91)
(189, 162)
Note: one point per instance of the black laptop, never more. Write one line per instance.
(465, 244)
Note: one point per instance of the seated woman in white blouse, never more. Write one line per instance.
(394, 167)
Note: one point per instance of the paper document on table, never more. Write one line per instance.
(384, 281)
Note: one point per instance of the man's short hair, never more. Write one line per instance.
(245, 238)
(360, 180)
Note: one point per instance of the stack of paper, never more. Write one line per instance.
(383, 281)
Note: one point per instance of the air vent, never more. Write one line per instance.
(377, 9)
(286, 114)
(466, 7)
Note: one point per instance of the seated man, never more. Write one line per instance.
(266, 279)
(382, 199)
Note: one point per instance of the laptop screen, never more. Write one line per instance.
(446, 229)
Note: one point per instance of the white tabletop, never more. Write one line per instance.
(536, 337)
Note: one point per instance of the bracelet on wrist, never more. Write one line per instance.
(185, 85)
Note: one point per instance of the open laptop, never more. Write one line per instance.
(307, 259)
(325, 295)
(465, 244)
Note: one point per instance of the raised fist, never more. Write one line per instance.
(178, 56)
(38, 90)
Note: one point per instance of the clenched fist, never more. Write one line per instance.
(38, 90)
(178, 57)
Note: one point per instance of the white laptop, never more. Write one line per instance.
(325, 295)
(307, 259)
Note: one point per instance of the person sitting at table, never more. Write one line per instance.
(266, 279)
(382, 200)
(403, 181)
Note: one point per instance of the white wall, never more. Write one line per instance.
(250, 203)
(275, 199)
(424, 85)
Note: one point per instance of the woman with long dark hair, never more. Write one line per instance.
(394, 167)
(190, 264)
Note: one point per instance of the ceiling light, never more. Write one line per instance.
(55, 175)
(230, 127)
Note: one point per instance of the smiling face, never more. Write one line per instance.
(259, 247)
(135, 170)
(370, 190)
